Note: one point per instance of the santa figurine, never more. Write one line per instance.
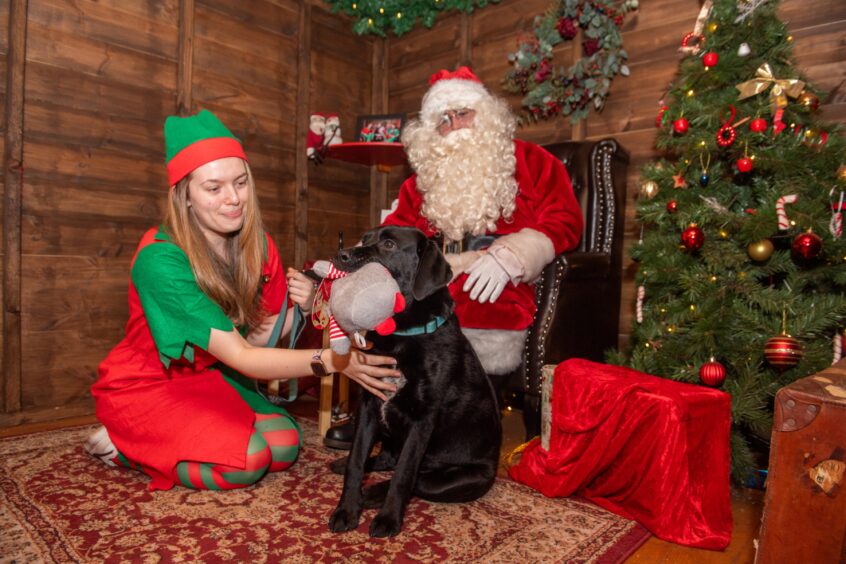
(316, 130)
(332, 135)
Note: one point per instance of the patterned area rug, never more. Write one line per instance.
(59, 505)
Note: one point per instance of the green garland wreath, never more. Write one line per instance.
(550, 91)
(376, 17)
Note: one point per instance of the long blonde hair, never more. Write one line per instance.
(233, 283)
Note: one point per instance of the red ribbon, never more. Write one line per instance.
(733, 114)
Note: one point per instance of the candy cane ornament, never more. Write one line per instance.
(641, 293)
(836, 223)
(838, 347)
(783, 222)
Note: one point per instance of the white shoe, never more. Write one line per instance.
(99, 445)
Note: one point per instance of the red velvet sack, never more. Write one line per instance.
(646, 448)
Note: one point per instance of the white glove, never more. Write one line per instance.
(486, 279)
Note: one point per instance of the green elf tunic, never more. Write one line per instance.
(160, 394)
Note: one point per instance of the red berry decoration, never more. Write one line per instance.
(712, 373)
(659, 120)
(758, 125)
(692, 40)
(783, 352)
(672, 206)
(744, 164)
(681, 125)
(806, 246)
(726, 135)
(710, 59)
(692, 238)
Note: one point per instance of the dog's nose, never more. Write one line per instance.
(344, 256)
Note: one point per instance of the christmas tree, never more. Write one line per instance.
(742, 267)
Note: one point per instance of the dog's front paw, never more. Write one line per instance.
(343, 519)
(385, 525)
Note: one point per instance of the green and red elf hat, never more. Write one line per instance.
(193, 141)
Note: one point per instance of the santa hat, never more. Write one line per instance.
(193, 141)
(452, 90)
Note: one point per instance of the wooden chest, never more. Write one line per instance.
(805, 504)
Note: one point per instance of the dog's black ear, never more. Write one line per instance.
(433, 271)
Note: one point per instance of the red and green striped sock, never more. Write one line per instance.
(282, 436)
(207, 476)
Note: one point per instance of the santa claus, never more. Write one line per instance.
(503, 207)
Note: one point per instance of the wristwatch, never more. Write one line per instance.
(317, 366)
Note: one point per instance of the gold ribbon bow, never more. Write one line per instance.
(782, 87)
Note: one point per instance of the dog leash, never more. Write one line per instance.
(430, 327)
(297, 327)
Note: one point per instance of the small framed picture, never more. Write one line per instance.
(384, 128)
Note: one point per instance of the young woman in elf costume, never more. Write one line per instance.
(206, 289)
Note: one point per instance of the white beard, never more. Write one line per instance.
(466, 178)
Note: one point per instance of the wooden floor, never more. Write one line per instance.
(747, 504)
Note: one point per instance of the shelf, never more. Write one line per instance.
(369, 154)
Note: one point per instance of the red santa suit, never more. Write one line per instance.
(545, 203)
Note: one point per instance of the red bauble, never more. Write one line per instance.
(806, 246)
(710, 59)
(712, 373)
(758, 125)
(672, 206)
(692, 238)
(744, 164)
(681, 125)
(783, 352)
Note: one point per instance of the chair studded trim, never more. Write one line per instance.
(533, 359)
(602, 235)
(578, 294)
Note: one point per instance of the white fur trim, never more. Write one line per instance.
(451, 94)
(460, 262)
(534, 249)
(500, 351)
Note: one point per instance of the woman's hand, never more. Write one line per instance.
(369, 370)
(300, 289)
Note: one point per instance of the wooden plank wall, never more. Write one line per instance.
(100, 78)
(651, 36)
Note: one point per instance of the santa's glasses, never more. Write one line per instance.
(455, 119)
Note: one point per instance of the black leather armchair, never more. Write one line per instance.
(578, 294)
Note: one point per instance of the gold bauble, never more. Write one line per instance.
(712, 27)
(809, 100)
(760, 251)
(841, 173)
(649, 189)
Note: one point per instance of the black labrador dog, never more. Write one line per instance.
(441, 431)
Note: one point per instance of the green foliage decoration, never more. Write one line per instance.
(377, 17)
(550, 90)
